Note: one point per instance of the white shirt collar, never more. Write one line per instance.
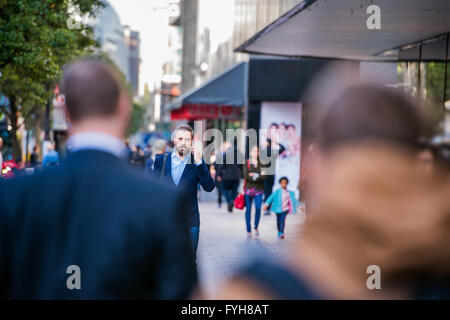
(97, 141)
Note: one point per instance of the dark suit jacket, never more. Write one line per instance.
(191, 177)
(122, 229)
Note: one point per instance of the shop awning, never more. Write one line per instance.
(259, 79)
(281, 79)
(202, 111)
(338, 29)
(227, 89)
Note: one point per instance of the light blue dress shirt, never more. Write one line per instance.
(178, 166)
(96, 141)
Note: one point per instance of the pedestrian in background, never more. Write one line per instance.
(51, 157)
(254, 177)
(138, 158)
(85, 229)
(229, 173)
(127, 151)
(282, 202)
(213, 170)
(147, 151)
(34, 158)
(159, 147)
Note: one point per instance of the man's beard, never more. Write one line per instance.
(182, 150)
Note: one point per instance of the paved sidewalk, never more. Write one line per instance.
(223, 244)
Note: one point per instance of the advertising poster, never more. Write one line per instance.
(282, 122)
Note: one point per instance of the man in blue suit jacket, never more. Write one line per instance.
(185, 169)
(93, 227)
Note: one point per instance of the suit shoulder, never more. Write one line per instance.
(159, 158)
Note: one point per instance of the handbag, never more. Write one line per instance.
(239, 201)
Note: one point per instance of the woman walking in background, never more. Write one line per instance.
(283, 202)
(253, 189)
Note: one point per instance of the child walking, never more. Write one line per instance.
(283, 202)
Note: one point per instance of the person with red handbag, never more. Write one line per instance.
(253, 189)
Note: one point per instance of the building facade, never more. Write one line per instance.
(224, 25)
(108, 31)
(133, 42)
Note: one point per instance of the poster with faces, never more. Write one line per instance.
(282, 122)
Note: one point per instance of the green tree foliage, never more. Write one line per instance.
(435, 79)
(434, 86)
(35, 42)
(137, 119)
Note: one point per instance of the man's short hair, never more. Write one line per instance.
(183, 127)
(366, 112)
(92, 88)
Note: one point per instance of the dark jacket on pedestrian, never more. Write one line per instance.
(191, 177)
(123, 230)
(250, 182)
(230, 169)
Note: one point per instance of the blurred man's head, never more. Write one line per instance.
(95, 98)
(366, 113)
(372, 200)
(182, 138)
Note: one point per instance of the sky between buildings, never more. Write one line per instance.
(150, 18)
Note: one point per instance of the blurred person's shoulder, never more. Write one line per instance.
(262, 279)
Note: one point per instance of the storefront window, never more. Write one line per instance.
(409, 76)
(422, 72)
(433, 86)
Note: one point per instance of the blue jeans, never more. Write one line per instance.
(248, 207)
(194, 231)
(281, 220)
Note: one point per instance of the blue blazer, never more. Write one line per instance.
(191, 177)
(277, 202)
(124, 231)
